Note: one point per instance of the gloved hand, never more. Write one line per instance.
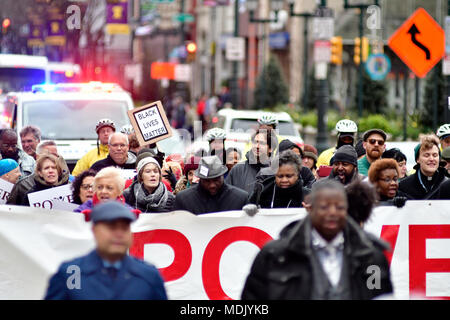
(399, 202)
(170, 176)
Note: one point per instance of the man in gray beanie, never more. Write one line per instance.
(345, 165)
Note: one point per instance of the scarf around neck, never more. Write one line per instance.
(153, 201)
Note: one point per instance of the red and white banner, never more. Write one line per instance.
(209, 256)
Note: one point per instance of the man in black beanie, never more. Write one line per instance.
(345, 165)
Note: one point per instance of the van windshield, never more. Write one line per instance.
(284, 128)
(73, 120)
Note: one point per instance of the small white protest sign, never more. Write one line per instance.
(44, 198)
(5, 190)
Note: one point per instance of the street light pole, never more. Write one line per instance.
(234, 80)
(305, 16)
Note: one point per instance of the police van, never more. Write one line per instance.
(67, 113)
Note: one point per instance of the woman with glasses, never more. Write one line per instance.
(83, 187)
(384, 175)
(108, 185)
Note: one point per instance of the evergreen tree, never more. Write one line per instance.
(271, 88)
(435, 84)
(374, 95)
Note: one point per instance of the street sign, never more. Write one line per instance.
(183, 73)
(322, 51)
(323, 28)
(183, 17)
(378, 66)
(235, 49)
(419, 42)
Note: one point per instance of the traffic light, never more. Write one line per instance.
(191, 49)
(365, 50)
(336, 50)
(5, 25)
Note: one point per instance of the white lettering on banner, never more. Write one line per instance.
(44, 199)
(5, 190)
(197, 255)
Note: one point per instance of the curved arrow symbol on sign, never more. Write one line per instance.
(413, 31)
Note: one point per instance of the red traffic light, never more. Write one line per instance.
(191, 47)
(6, 23)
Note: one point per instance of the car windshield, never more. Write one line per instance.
(243, 125)
(72, 120)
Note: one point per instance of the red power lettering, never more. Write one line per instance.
(176, 240)
(389, 233)
(419, 265)
(214, 251)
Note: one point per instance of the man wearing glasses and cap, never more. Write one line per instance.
(108, 273)
(374, 144)
(211, 194)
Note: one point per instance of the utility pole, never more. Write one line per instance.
(234, 81)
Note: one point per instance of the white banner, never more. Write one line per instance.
(198, 255)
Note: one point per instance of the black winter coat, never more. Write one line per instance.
(414, 190)
(109, 162)
(282, 270)
(198, 201)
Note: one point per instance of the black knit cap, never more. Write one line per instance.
(347, 154)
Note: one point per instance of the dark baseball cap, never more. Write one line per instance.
(110, 211)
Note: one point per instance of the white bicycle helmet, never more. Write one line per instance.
(216, 133)
(346, 125)
(443, 130)
(127, 129)
(268, 119)
(105, 123)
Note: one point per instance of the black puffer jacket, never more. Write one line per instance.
(428, 189)
(243, 174)
(282, 270)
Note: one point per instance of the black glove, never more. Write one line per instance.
(171, 177)
(399, 202)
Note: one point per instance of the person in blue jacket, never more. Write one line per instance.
(107, 272)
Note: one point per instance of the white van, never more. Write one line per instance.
(68, 113)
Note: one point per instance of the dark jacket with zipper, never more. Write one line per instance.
(243, 174)
(268, 195)
(283, 269)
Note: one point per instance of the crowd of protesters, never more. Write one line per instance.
(274, 173)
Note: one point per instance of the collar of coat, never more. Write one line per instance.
(357, 243)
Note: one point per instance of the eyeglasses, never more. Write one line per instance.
(87, 186)
(7, 146)
(373, 141)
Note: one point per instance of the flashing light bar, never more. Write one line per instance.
(93, 86)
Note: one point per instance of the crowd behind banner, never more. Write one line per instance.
(274, 173)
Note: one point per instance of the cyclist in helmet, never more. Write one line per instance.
(347, 130)
(443, 134)
(216, 139)
(104, 128)
(268, 120)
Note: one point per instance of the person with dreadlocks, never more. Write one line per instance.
(104, 128)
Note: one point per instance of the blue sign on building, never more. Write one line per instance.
(378, 66)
